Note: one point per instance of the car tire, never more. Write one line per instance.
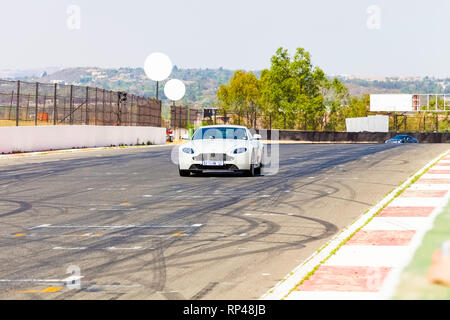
(251, 172)
(262, 159)
(258, 170)
(184, 173)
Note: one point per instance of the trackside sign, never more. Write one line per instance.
(391, 102)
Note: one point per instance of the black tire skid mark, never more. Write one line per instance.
(248, 240)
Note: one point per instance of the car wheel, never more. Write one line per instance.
(258, 170)
(184, 173)
(251, 172)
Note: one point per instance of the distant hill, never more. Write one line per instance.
(202, 84)
(27, 73)
(358, 86)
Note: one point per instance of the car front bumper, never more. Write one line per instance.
(234, 162)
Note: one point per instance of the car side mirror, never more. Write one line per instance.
(256, 136)
(185, 137)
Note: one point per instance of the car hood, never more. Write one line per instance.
(217, 145)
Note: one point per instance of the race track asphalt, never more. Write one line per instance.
(132, 228)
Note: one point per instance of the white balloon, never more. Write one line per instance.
(158, 66)
(174, 89)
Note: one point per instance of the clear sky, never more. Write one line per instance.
(401, 37)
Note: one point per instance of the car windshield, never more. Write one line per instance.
(399, 137)
(220, 133)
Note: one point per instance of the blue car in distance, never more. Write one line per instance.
(403, 138)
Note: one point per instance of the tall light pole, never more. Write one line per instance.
(158, 67)
(175, 90)
(157, 89)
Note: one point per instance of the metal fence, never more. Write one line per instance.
(179, 116)
(42, 103)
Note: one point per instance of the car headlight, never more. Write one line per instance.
(240, 150)
(188, 150)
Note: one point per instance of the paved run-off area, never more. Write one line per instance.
(130, 227)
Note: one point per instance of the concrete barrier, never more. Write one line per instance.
(39, 138)
(377, 123)
(357, 137)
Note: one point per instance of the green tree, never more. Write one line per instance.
(292, 88)
(241, 96)
(356, 108)
(337, 98)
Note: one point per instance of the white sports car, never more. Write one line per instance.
(221, 148)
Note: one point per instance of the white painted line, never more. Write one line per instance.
(32, 280)
(424, 186)
(115, 285)
(133, 248)
(108, 248)
(417, 202)
(333, 295)
(397, 223)
(370, 256)
(284, 287)
(41, 226)
(65, 280)
(113, 209)
(437, 167)
(72, 278)
(435, 176)
(131, 226)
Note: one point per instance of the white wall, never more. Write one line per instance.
(39, 138)
(179, 132)
(376, 123)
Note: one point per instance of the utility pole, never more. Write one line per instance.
(71, 105)
(55, 113)
(18, 103)
(37, 103)
(87, 107)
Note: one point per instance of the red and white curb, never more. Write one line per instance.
(368, 264)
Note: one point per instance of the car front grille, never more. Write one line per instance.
(213, 157)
